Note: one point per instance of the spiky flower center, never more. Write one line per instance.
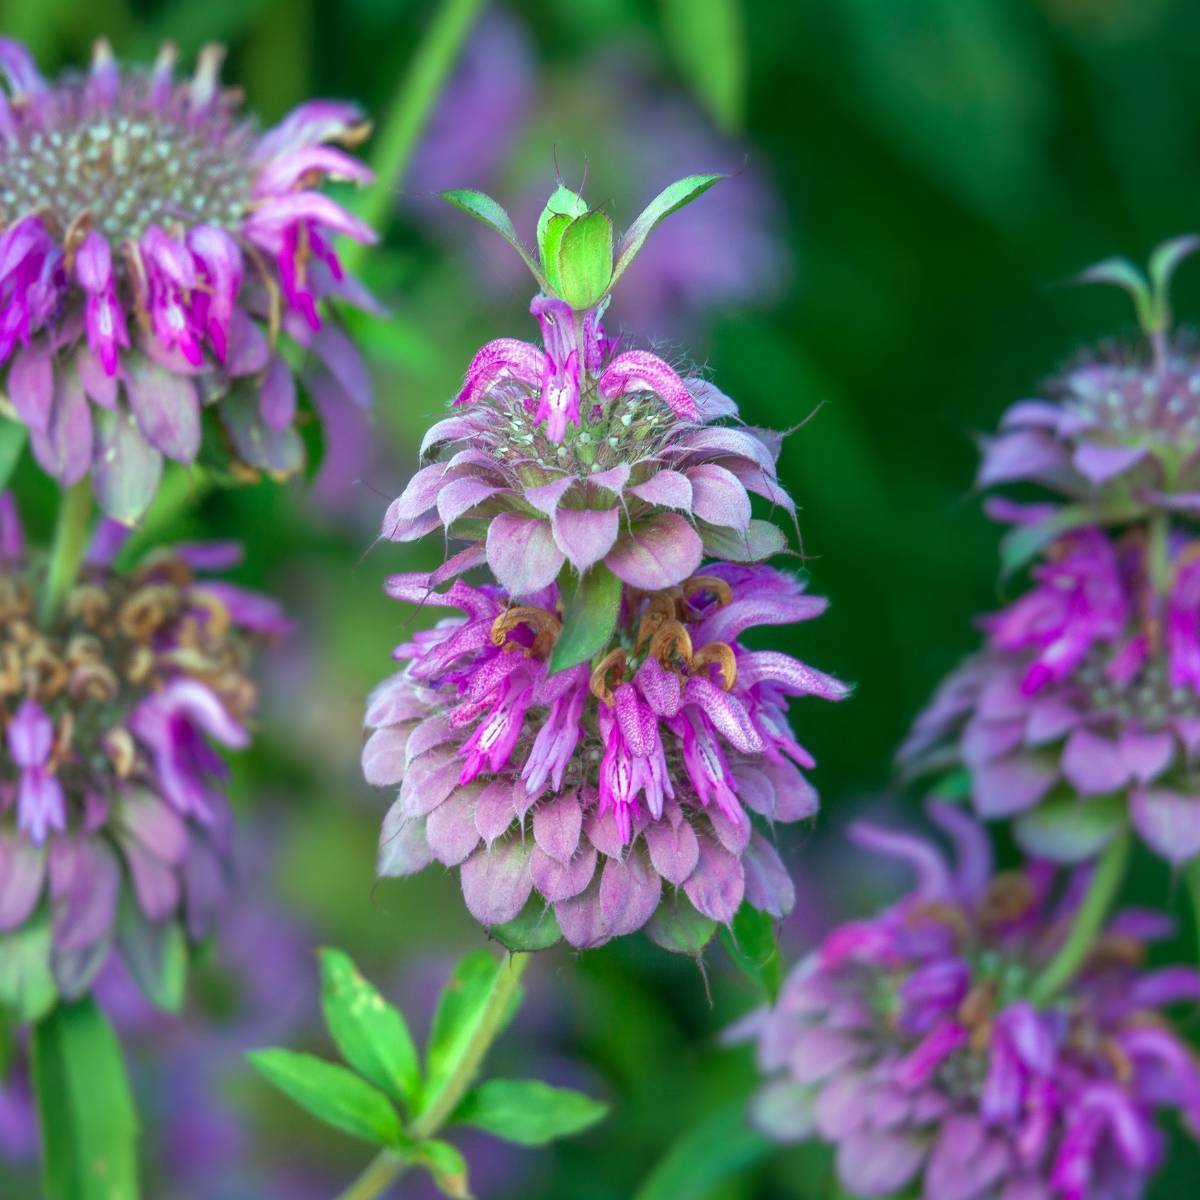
(609, 433)
(119, 638)
(128, 167)
(1132, 402)
(1149, 699)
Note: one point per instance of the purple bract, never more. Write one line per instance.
(569, 453)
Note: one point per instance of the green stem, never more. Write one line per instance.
(70, 542)
(13, 436)
(385, 1168)
(431, 65)
(1089, 920)
(1191, 877)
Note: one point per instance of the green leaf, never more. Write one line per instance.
(585, 260)
(370, 1033)
(26, 982)
(760, 540)
(490, 213)
(1068, 828)
(445, 1164)
(589, 619)
(535, 927)
(88, 1123)
(669, 200)
(527, 1111)
(708, 41)
(721, 1146)
(1024, 542)
(12, 441)
(461, 1008)
(156, 954)
(1123, 274)
(750, 941)
(677, 926)
(332, 1094)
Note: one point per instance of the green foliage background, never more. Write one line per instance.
(944, 166)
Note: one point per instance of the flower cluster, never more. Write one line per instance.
(917, 1043)
(153, 246)
(1085, 706)
(570, 453)
(639, 770)
(600, 686)
(113, 823)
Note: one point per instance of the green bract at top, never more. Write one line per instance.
(576, 258)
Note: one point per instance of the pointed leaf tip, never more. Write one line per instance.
(669, 200)
(491, 213)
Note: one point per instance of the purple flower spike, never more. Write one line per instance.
(643, 768)
(1083, 712)
(908, 1042)
(109, 773)
(159, 246)
(565, 454)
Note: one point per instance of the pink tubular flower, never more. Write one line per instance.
(158, 245)
(1083, 712)
(40, 806)
(642, 769)
(568, 454)
(908, 1041)
(109, 771)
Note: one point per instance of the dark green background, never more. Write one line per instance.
(943, 167)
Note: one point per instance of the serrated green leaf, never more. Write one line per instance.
(13, 435)
(26, 982)
(721, 1146)
(87, 1118)
(750, 941)
(156, 954)
(585, 260)
(677, 926)
(669, 200)
(492, 214)
(527, 1111)
(589, 619)
(461, 1008)
(445, 1164)
(370, 1033)
(708, 41)
(534, 928)
(332, 1094)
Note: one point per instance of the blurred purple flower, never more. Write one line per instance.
(157, 243)
(631, 470)
(633, 772)
(109, 781)
(1088, 691)
(908, 1042)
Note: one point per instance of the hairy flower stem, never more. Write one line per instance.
(70, 542)
(386, 1167)
(431, 65)
(1089, 920)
